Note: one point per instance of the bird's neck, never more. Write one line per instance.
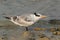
(34, 18)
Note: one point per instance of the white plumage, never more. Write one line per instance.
(26, 20)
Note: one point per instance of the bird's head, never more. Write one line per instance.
(39, 15)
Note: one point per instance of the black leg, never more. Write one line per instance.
(26, 28)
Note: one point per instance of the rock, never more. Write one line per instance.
(45, 38)
(58, 28)
(56, 33)
(42, 37)
(28, 35)
(52, 29)
(40, 29)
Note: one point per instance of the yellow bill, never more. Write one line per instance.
(43, 16)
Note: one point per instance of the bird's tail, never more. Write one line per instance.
(7, 17)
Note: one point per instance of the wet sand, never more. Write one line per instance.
(10, 31)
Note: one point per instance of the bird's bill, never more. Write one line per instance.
(43, 16)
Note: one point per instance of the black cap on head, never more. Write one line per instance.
(36, 14)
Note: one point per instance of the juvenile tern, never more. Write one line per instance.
(25, 20)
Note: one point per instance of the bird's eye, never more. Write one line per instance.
(36, 14)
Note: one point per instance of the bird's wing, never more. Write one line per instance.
(24, 20)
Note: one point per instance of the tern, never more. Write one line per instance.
(25, 20)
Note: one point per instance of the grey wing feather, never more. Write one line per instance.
(28, 19)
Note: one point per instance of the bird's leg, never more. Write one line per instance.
(26, 28)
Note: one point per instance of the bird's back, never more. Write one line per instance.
(23, 21)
